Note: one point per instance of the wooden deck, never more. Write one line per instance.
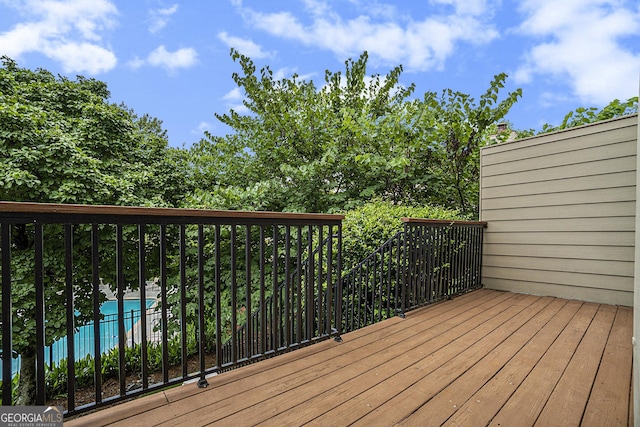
(485, 358)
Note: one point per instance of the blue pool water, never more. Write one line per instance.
(84, 337)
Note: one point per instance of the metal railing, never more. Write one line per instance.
(231, 288)
(287, 319)
(426, 262)
(214, 269)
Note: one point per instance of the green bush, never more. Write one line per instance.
(367, 227)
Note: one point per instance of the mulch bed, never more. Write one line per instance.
(111, 386)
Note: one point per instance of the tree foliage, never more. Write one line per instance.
(61, 141)
(294, 146)
(300, 147)
(583, 116)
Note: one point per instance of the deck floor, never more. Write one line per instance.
(485, 358)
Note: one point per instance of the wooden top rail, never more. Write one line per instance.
(443, 222)
(56, 209)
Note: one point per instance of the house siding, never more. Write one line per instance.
(561, 213)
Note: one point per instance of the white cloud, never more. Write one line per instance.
(201, 128)
(234, 99)
(83, 57)
(581, 41)
(136, 63)
(181, 58)
(245, 47)
(417, 44)
(69, 32)
(160, 18)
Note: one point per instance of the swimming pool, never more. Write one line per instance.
(84, 338)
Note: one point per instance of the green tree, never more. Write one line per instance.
(333, 147)
(583, 116)
(301, 147)
(61, 141)
(462, 128)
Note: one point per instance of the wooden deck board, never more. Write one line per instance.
(481, 341)
(492, 393)
(485, 357)
(387, 373)
(529, 398)
(608, 403)
(571, 393)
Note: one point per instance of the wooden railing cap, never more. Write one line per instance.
(51, 208)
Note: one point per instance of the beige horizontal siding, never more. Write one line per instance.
(507, 188)
(568, 265)
(562, 278)
(583, 252)
(603, 195)
(587, 135)
(548, 175)
(592, 238)
(595, 210)
(566, 224)
(564, 143)
(577, 156)
(603, 296)
(561, 213)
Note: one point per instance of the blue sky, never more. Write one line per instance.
(170, 59)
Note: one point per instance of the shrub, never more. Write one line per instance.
(367, 227)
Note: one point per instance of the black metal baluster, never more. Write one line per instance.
(97, 361)
(263, 308)
(218, 291)
(183, 298)
(39, 285)
(339, 296)
(380, 278)
(247, 259)
(202, 382)
(275, 294)
(163, 298)
(71, 366)
(299, 273)
(234, 297)
(142, 279)
(319, 284)
(398, 270)
(389, 270)
(330, 302)
(405, 257)
(287, 286)
(120, 317)
(7, 329)
(309, 285)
